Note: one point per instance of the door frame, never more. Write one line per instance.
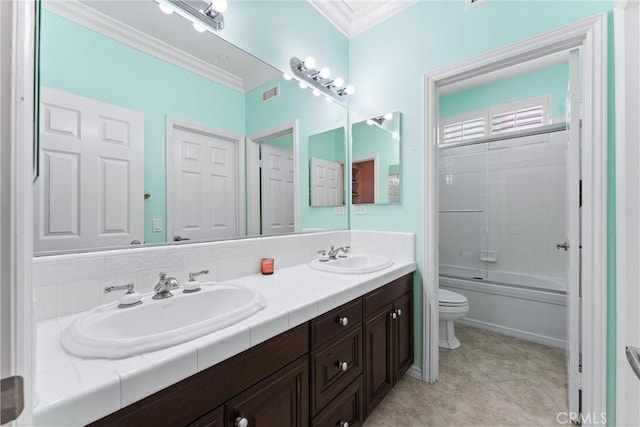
(172, 124)
(253, 174)
(626, 15)
(18, 19)
(591, 36)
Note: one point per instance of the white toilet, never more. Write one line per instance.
(451, 306)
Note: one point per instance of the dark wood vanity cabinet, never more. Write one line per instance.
(388, 338)
(329, 372)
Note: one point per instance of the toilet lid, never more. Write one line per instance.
(451, 299)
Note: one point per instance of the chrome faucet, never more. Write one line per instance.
(130, 299)
(334, 252)
(164, 286)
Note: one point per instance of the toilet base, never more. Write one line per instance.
(447, 337)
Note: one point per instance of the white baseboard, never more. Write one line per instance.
(415, 372)
(517, 333)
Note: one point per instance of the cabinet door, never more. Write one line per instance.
(212, 419)
(378, 377)
(282, 399)
(402, 336)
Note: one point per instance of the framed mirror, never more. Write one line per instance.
(153, 132)
(375, 160)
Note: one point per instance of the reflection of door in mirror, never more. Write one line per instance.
(90, 193)
(203, 192)
(271, 175)
(276, 185)
(364, 181)
(326, 168)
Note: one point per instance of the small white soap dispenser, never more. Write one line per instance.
(193, 285)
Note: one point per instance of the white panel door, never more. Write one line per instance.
(276, 190)
(90, 192)
(326, 183)
(204, 185)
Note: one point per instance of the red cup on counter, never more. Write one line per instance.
(266, 265)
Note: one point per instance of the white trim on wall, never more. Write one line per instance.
(90, 18)
(591, 35)
(626, 16)
(253, 177)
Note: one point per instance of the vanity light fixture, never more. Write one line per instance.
(210, 18)
(379, 119)
(319, 80)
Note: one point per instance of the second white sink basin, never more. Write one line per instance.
(353, 264)
(111, 332)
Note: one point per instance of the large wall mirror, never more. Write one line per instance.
(375, 160)
(152, 132)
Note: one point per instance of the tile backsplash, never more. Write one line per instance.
(66, 284)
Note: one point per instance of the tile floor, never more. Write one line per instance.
(491, 380)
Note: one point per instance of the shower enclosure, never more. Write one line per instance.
(502, 211)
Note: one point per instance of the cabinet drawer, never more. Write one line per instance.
(346, 408)
(334, 367)
(212, 419)
(332, 324)
(377, 299)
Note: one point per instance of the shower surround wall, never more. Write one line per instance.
(66, 284)
(502, 214)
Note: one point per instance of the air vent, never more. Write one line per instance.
(271, 93)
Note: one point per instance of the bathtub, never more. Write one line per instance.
(530, 307)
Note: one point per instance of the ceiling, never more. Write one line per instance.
(355, 16)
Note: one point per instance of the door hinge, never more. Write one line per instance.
(580, 192)
(260, 163)
(11, 398)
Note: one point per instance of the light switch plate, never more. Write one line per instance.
(360, 210)
(339, 210)
(156, 225)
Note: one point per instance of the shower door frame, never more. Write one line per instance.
(590, 35)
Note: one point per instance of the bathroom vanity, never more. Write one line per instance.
(329, 371)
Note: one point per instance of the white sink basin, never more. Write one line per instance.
(353, 264)
(111, 332)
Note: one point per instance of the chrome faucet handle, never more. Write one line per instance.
(344, 250)
(192, 276)
(128, 287)
(322, 252)
(130, 299)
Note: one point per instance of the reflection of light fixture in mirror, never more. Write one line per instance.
(379, 119)
(287, 76)
(303, 85)
(319, 80)
(316, 92)
(208, 19)
(395, 135)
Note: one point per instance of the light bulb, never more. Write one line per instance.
(337, 82)
(309, 62)
(349, 90)
(165, 8)
(370, 122)
(324, 73)
(326, 98)
(388, 116)
(199, 27)
(219, 6)
(316, 92)
(303, 85)
(395, 135)
(287, 76)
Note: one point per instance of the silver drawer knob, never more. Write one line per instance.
(241, 422)
(393, 315)
(343, 365)
(344, 321)
(399, 312)
(344, 424)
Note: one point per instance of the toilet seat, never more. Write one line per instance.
(451, 299)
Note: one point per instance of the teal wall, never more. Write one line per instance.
(283, 141)
(329, 145)
(388, 63)
(550, 81)
(80, 61)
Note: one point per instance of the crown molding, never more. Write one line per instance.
(103, 24)
(352, 21)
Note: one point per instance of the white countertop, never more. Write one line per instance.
(75, 391)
